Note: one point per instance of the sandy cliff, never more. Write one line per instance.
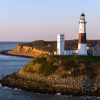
(27, 51)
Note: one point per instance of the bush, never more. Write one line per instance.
(47, 68)
(39, 60)
(73, 65)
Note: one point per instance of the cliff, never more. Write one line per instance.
(27, 51)
(33, 49)
(69, 75)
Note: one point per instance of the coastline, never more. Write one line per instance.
(43, 87)
(9, 54)
(50, 85)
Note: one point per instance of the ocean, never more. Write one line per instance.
(11, 64)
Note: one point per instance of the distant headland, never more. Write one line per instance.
(41, 47)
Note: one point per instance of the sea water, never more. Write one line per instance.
(11, 64)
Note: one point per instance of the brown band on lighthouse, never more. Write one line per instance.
(82, 38)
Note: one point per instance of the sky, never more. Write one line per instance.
(29, 20)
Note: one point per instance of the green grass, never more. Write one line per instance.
(62, 65)
(90, 59)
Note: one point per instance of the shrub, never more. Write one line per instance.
(47, 69)
(39, 60)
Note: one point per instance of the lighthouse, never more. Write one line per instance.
(60, 44)
(82, 44)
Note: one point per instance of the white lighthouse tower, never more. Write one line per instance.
(82, 44)
(60, 44)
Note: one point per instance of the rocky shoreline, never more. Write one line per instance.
(60, 80)
(53, 85)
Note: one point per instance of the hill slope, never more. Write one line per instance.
(73, 75)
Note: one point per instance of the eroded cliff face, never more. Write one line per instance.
(28, 51)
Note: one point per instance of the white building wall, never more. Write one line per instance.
(68, 52)
(96, 50)
(82, 49)
(60, 44)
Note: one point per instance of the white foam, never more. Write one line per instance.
(0, 85)
(5, 87)
(16, 89)
(58, 94)
(98, 97)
